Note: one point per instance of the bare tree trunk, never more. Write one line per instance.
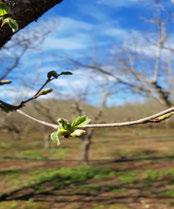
(86, 146)
(163, 95)
(87, 139)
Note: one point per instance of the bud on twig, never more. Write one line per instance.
(52, 74)
(78, 133)
(44, 92)
(3, 82)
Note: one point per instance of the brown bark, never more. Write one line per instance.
(163, 95)
(25, 12)
(86, 146)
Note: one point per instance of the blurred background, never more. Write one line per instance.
(121, 57)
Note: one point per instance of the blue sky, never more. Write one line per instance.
(82, 30)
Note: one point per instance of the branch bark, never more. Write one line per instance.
(155, 118)
(25, 12)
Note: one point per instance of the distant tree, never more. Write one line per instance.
(143, 64)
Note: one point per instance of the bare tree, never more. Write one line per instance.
(44, 110)
(143, 64)
(97, 116)
(14, 51)
(7, 124)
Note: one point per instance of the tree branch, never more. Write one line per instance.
(24, 12)
(155, 118)
(51, 125)
(52, 75)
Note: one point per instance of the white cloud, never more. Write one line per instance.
(71, 34)
(76, 80)
(73, 42)
(15, 94)
(135, 40)
(71, 24)
(117, 32)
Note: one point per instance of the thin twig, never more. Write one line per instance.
(52, 75)
(9, 107)
(37, 120)
(36, 95)
(158, 117)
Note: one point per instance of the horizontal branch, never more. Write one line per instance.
(51, 125)
(155, 118)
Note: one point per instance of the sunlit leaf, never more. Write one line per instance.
(64, 124)
(12, 23)
(4, 9)
(80, 121)
(55, 138)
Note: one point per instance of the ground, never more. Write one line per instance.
(129, 169)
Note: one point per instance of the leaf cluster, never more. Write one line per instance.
(6, 18)
(68, 129)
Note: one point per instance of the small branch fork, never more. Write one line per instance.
(155, 118)
(52, 75)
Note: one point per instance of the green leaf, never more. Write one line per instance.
(64, 133)
(80, 121)
(12, 23)
(64, 124)
(4, 9)
(55, 137)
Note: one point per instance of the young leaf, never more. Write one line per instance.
(64, 124)
(55, 137)
(4, 9)
(80, 121)
(12, 23)
(64, 133)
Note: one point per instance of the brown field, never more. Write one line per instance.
(128, 168)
